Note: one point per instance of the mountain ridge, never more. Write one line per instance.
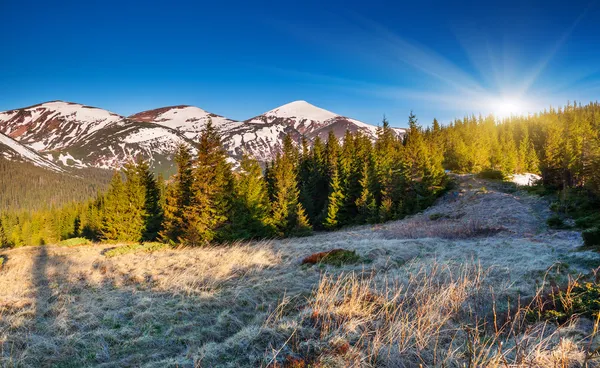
(77, 135)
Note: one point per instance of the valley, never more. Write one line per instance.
(255, 304)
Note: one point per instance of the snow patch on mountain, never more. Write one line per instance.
(301, 110)
(54, 125)
(13, 150)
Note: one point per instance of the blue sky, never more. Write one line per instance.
(362, 59)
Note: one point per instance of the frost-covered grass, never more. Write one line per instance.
(413, 297)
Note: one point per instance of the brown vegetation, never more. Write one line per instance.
(450, 302)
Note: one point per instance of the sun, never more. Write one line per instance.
(504, 107)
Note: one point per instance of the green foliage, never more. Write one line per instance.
(26, 187)
(340, 257)
(436, 216)
(301, 225)
(178, 197)
(588, 221)
(491, 174)
(210, 206)
(591, 237)
(581, 299)
(136, 248)
(556, 222)
(250, 218)
(73, 242)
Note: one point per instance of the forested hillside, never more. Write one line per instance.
(325, 186)
(322, 186)
(24, 186)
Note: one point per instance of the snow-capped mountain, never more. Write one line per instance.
(312, 121)
(54, 125)
(15, 151)
(80, 136)
(189, 120)
(122, 142)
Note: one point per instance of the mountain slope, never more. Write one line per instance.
(113, 146)
(187, 119)
(54, 125)
(80, 136)
(312, 121)
(14, 151)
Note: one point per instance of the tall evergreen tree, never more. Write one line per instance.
(212, 189)
(251, 205)
(335, 201)
(4, 243)
(287, 211)
(153, 212)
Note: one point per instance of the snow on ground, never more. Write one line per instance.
(148, 134)
(66, 158)
(26, 153)
(189, 119)
(526, 179)
(301, 110)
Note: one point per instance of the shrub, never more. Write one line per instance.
(591, 237)
(134, 248)
(335, 257)
(588, 221)
(556, 222)
(1, 262)
(581, 299)
(73, 242)
(491, 174)
(436, 216)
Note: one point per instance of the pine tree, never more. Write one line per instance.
(153, 212)
(251, 204)
(115, 207)
(365, 203)
(317, 183)
(301, 225)
(335, 202)
(4, 242)
(135, 198)
(212, 188)
(286, 214)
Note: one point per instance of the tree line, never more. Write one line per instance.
(322, 185)
(561, 144)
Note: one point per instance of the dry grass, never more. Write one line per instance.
(438, 316)
(422, 296)
(418, 227)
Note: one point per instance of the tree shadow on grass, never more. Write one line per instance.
(94, 313)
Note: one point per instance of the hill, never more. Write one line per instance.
(411, 296)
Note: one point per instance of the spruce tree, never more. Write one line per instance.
(251, 204)
(178, 197)
(153, 212)
(287, 213)
(365, 203)
(335, 201)
(115, 206)
(4, 243)
(301, 225)
(212, 188)
(135, 216)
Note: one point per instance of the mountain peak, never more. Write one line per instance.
(301, 109)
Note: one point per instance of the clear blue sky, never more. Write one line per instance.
(361, 59)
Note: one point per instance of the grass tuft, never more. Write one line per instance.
(74, 242)
(335, 257)
(136, 248)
